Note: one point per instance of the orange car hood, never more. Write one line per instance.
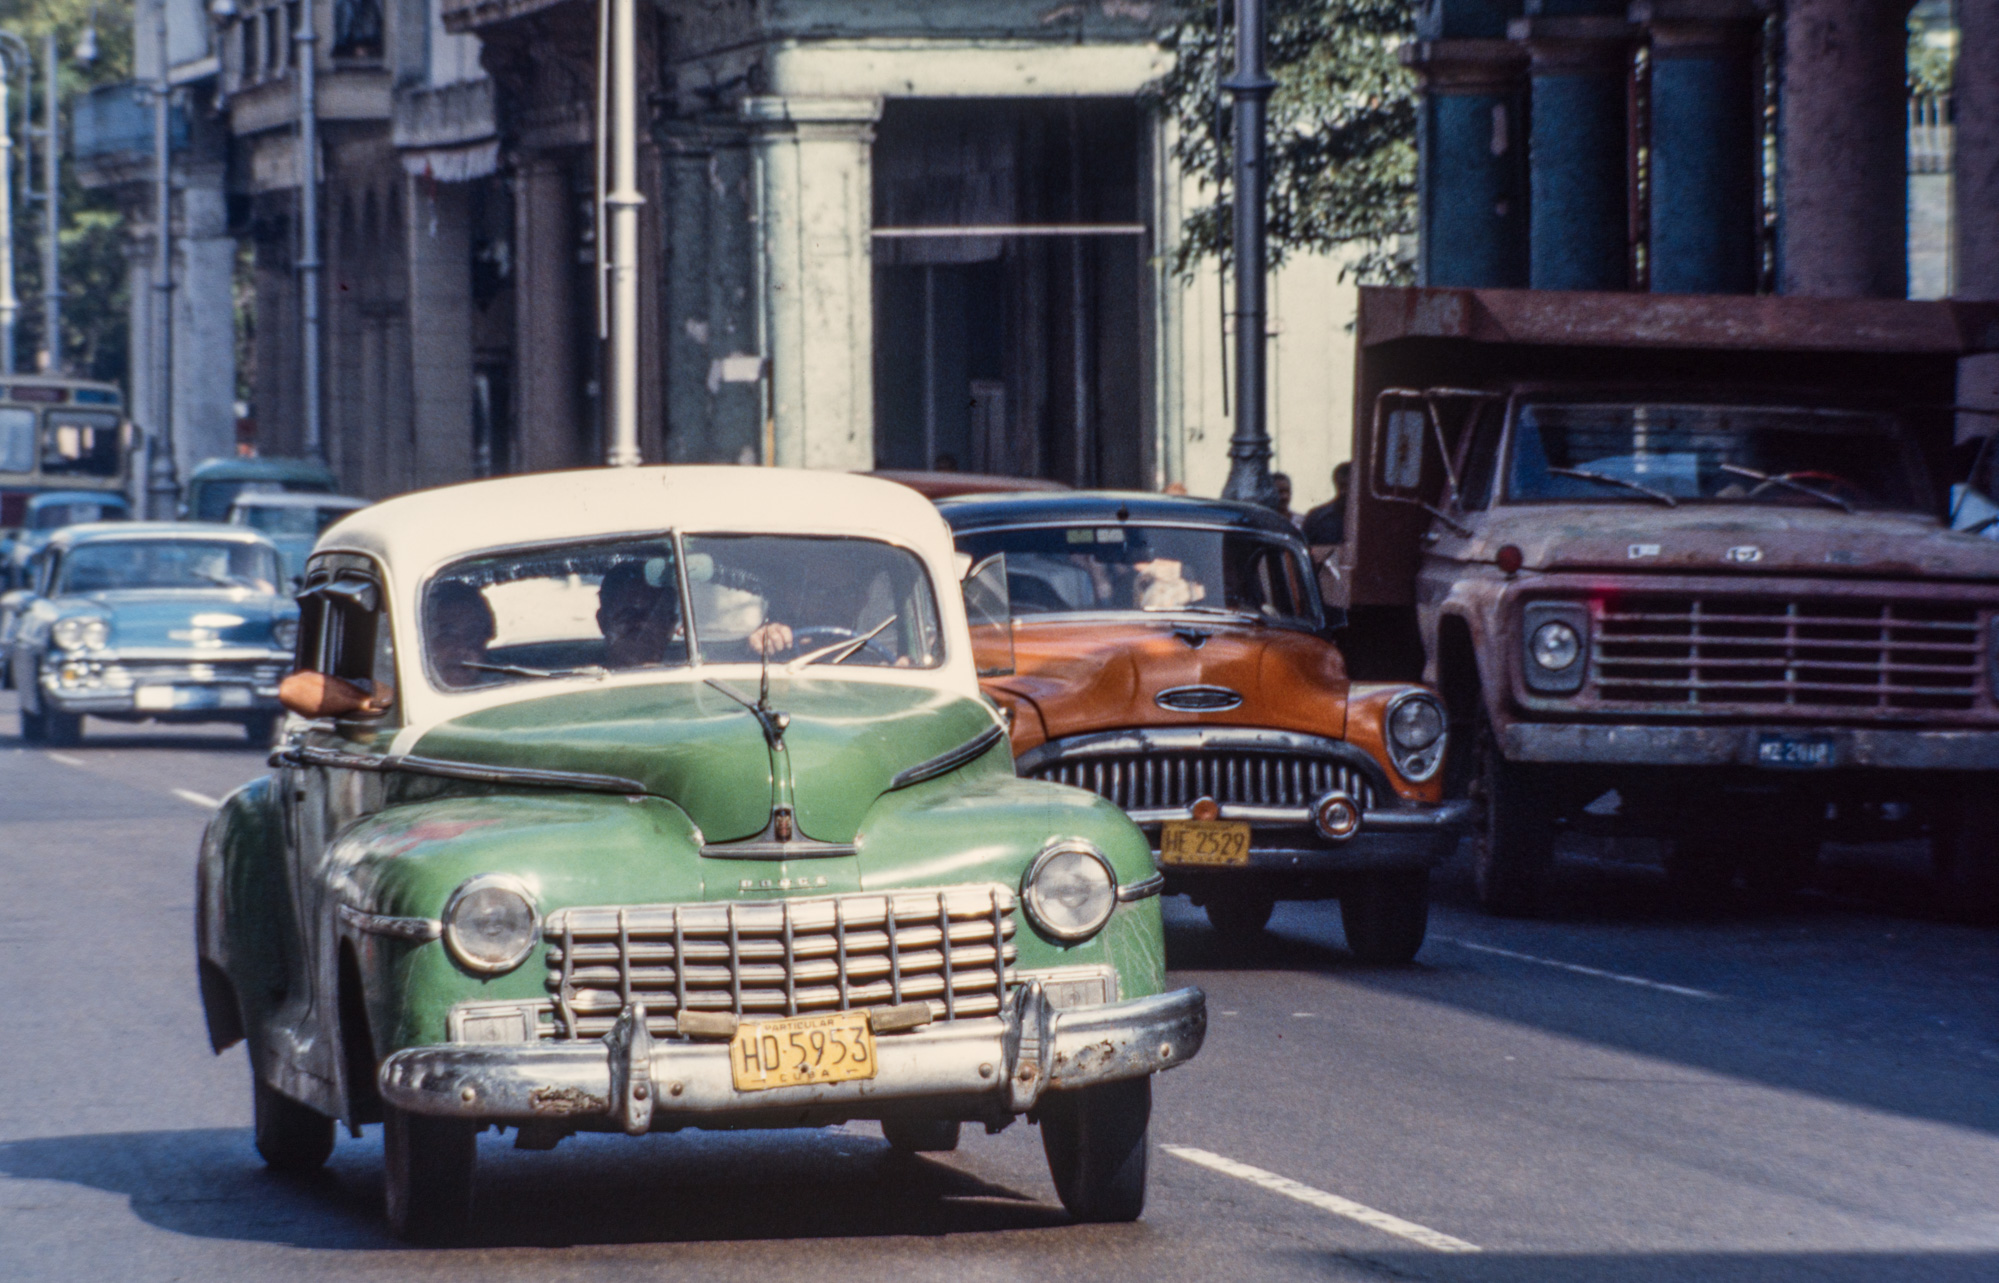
(1095, 675)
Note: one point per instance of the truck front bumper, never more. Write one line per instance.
(1861, 748)
(628, 1081)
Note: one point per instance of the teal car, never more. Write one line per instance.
(645, 799)
(215, 483)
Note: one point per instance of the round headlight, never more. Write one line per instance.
(1070, 890)
(284, 634)
(80, 634)
(1415, 724)
(489, 924)
(1555, 646)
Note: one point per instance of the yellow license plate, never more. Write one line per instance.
(1204, 842)
(834, 1048)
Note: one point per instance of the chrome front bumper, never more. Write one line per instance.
(632, 1082)
(1402, 838)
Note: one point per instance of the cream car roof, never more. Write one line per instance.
(414, 535)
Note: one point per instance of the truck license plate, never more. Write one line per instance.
(837, 1047)
(1794, 752)
(1204, 842)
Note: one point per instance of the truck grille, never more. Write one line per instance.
(1157, 781)
(1833, 653)
(951, 948)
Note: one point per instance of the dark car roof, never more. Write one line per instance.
(50, 498)
(263, 469)
(986, 512)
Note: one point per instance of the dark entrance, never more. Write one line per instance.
(1009, 282)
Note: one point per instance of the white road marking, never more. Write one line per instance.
(1581, 970)
(1419, 1234)
(66, 759)
(199, 799)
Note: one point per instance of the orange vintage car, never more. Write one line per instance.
(1172, 654)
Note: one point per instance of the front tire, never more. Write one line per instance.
(428, 1165)
(1386, 916)
(1240, 914)
(34, 730)
(261, 729)
(291, 1137)
(1096, 1142)
(1516, 843)
(61, 730)
(1964, 851)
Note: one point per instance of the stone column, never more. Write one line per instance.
(1473, 175)
(204, 326)
(1976, 196)
(440, 332)
(1704, 145)
(1578, 151)
(138, 333)
(1843, 225)
(815, 213)
(710, 308)
(545, 367)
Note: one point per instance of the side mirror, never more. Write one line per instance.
(316, 695)
(989, 611)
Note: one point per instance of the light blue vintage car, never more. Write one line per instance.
(140, 621)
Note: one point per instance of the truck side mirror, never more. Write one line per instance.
(989, 611)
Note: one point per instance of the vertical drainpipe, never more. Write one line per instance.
(623, 201)
(1472, 129)
(306, 60)
(162, 472)
(1249, 445)
(1578, 145)
(10, 305)
(1704, 140)
(51, 211)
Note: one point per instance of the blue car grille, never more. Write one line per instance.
(195, 674)
(951, 947)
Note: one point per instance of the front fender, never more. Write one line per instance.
(245, 932)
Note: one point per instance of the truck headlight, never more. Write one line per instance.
(1416, 734)
(81, 634)
(1554, 638)
(1070, 890)
(1554, 645)
(490, 925)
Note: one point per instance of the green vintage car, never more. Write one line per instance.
(643, 799)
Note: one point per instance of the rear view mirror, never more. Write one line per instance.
(989, 611)
(1402, 449)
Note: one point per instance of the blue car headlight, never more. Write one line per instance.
(284, 634)
(81, 634)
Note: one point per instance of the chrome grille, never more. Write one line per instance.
(171, 674)
(1165, 780)
(952, 948)
(1844, 653)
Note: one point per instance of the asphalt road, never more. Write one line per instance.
(1618, 1091)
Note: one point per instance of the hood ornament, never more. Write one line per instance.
(1198, 699)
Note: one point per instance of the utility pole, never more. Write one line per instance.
(162, 475)
(51, 361)
(309, 264)
(623, 201)
(10, 303)
(1249, 446)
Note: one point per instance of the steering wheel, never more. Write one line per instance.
(1830, 481)
(813, 637)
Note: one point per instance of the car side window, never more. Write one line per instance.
(1482, 456)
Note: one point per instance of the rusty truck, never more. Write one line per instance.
(1684, 566)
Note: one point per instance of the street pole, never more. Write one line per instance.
(1249, 446)
(10, 304)
(162, 476)
(623, 201)
(51, 213)
(308, 225)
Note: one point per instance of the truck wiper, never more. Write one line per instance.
(841, 650)
(1609, 480)
(521, 670)
(1784, 479)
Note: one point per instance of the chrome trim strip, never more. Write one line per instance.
(1185, 699)
(1143, 889)
(414, 930)
(303, 755)
(797, 849)
(946, 762)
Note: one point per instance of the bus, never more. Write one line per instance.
(60, 433)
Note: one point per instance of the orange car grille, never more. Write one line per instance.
(1158, 781)
(951, 947)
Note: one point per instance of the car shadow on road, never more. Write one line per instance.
(1661, 1267)
(686, 1188)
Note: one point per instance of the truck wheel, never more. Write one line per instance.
(921, 1135)
(428, 1166)
(1515, 842)
(1096, 1141)
(1240, 914)
(1964, 851)
(1386, 916)
(291, 1137)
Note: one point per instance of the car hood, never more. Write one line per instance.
(845, 743)
(178, 618)
(1765, 540)
(1091, 675)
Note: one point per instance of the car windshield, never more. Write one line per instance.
(1123, 567)
(289, 519)
(590, 609)
(105, 566)
(1660, 453)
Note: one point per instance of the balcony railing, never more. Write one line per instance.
(1932, 134)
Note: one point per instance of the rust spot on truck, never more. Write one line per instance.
(565, 1102)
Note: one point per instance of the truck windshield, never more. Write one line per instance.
(1086, 569)
(1646, 453)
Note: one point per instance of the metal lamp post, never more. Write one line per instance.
(13, 56)
(622, 201)
(162, 474)
(309, 262)
(51, 357)
(1249, 445)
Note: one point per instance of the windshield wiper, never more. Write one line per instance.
(845, 648)
(1784, 479)
(1604, 477)
(521, 670)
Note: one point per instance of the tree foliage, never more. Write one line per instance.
(1342, 131)
(92, 253)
